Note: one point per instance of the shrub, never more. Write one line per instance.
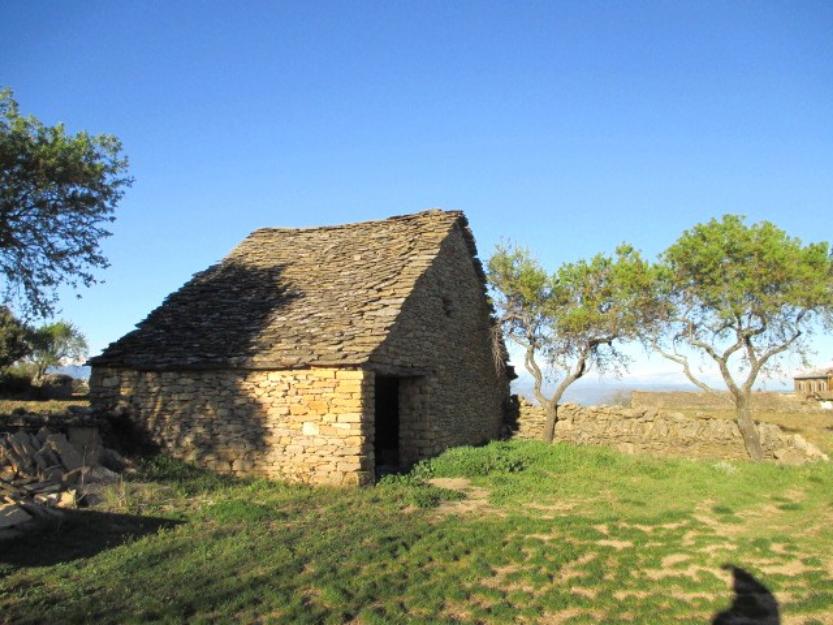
(16, 382)
(497, 457)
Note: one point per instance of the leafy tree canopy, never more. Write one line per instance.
(14, 338)
(741, 295)
(58, 192)
(56, 344)
(571, 320)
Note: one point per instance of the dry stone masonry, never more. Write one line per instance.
(47, 470)
(269, 362)
(648, 430)
(762, 401)
(311, 425)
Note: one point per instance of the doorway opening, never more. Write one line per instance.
(386, 440)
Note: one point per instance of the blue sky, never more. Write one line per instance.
(568, 127)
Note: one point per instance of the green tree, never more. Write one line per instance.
(58, 192)
(55, 344)
(742, 296)
(14, 338)
(571, 321)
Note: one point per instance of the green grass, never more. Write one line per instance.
(515, 532)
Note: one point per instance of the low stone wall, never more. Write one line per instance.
(309, 425)
(762, 401)
(647, 430)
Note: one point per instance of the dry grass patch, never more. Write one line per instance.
(44, 407)
(570, 615)
(474, 499)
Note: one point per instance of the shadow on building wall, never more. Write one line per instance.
(192, 354)
(753, 602)
(444, 341)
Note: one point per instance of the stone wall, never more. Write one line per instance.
(762, 401)
(444, 332)
(647, 430)
(311, 425)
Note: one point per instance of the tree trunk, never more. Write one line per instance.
(748, 429)
(552, 419)
(37, 377)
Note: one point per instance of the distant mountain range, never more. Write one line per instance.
(593, 392)
(590, 392)
(76, 371)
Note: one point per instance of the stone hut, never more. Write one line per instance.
(322, 355)
(815, 383)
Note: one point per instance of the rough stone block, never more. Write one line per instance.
(347, 374)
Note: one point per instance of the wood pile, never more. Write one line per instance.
(44, 472)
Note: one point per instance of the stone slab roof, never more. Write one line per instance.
(822, 372)
(286, 298)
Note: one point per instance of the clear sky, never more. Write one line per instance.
(568, 127)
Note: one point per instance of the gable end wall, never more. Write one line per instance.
(445, 329)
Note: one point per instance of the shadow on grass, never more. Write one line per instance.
(753, 602)
(79, 534)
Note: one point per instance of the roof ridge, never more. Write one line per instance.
(815, 372)
(367, 222)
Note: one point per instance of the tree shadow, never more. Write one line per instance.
(753, 603)
(78, 534)
(187, 385)
(216, 320)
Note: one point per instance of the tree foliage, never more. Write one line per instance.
(14, 338)
(55, 344)
(741, 296)
(571, 321)
(58, 192)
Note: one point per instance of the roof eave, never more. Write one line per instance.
(226, 366)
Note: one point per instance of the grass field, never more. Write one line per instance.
(509, 533)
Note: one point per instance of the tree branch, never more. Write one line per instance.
(537, 375)
(574, 374)
(683, 361)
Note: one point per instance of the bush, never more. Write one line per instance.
(55, 386)
(497, 457)
(16, 382)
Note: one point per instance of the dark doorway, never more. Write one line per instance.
(386, 442)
